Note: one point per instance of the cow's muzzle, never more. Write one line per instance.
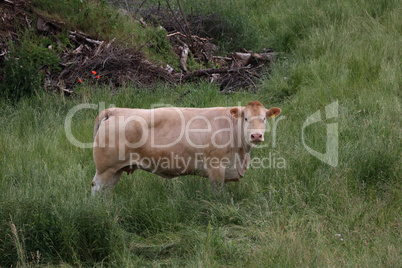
(257, 137)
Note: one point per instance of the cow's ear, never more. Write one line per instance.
(273, 112)
(236, 112)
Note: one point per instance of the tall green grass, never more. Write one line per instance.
(306, 214)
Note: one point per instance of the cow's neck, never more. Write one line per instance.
(243, 149)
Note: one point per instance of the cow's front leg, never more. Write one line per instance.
(216, 176)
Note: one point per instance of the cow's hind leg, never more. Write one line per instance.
(105, 181)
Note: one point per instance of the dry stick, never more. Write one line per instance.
(82, 36)
(205, 72)
(246, 77)
(183, 59)
(174, 15)
(221, 58)
(173, 34)
(186, 22)
(193, 36)
(191, 17)
(28, 22)
(140, 6)
(4, 52)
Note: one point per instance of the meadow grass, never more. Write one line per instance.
(304, 214)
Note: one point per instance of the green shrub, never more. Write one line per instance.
(22, 70)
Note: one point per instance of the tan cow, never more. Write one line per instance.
(169, 141)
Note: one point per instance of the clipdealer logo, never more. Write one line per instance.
(330, 156)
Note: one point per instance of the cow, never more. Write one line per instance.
(169, 141)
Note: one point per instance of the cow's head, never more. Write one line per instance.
(253, 118)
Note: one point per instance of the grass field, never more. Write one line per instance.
(303, 213)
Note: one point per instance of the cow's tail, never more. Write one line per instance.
(103, 116)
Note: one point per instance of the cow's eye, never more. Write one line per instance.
(245, 119)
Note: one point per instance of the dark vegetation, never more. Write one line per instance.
(43, 49)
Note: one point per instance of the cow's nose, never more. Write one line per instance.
(256, 137)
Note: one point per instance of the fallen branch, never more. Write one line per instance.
(193, 36)
(143, 23)
(221, 58)
(183, 58)
(116, 63)
(206, 72)
(4, 52)
(75, 35)
(241, 56)
(63, 90)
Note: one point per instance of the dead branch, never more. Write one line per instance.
(4, 52)
(183, 59)
(206, 72)
(143, 23)
(188, 33)
(183, 35)
(76, 35)
(63, 90)
(221, 58)
(139, 7)
(241, 56)
(28, 21)
(174, 15)
(173, 34)
(115, 63)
